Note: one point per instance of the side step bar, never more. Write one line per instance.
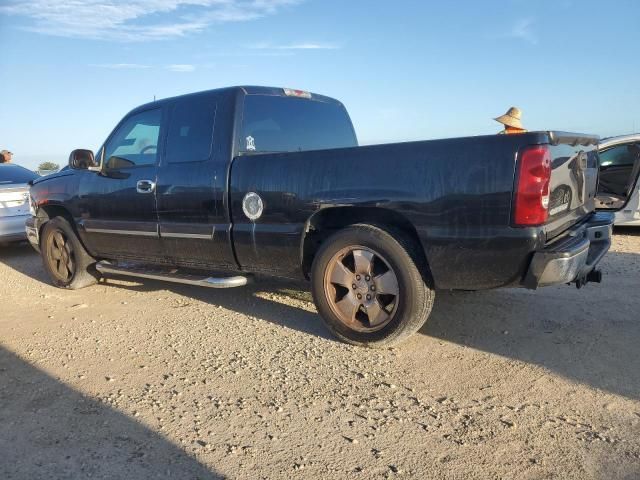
(174, 276)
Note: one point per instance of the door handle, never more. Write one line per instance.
(145, 186)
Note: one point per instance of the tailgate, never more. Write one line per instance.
(14, 200)
(574, 180)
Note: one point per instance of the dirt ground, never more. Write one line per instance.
(150, 380)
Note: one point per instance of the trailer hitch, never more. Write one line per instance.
(593, 276)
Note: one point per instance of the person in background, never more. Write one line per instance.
(5, 156)
(511, 121)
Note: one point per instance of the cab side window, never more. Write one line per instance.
(135, 142)
(190, 134)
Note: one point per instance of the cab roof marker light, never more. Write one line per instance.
(290, 92)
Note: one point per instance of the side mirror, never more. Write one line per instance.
(81, 159)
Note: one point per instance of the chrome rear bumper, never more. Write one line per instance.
(574, 257)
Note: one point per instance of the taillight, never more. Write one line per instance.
(531, 200)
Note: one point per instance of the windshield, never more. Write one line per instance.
(288, 124)
(15, 174)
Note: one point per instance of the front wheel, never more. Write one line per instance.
(370, 286)
(65, 258)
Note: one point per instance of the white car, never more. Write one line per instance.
(14, 201)
(619, 188)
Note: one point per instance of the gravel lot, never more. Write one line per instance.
(149, 380)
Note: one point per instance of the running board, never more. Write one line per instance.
(157, 273)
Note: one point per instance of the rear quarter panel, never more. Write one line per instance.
(456, 192)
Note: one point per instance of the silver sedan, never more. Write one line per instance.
(14, 201)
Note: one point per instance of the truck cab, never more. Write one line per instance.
(160, 192)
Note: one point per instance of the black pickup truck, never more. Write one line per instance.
(211, 187)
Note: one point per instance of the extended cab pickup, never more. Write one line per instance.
(211, 187)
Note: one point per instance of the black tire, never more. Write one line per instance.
(412, 304)
(64, 257)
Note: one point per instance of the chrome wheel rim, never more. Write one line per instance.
(361, 289)
(61, 256)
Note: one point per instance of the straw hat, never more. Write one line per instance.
(511, 118)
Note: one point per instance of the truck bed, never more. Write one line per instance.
(457, 194)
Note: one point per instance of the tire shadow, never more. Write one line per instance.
(49, 430)
(263, 298)
(24, 259)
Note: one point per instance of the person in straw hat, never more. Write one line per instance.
(5, 156)
(511, 121)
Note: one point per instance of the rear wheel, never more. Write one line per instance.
(65, 259)
(369, 286)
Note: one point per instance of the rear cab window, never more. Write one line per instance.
(190, 134)
(275, 124)
(15, 175)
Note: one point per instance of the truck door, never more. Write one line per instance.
(193, 220)
(118, 205)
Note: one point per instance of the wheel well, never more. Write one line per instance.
(47, 212)
(324, 223)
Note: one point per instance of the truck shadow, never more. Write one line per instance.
(257, 300)
(265, 298)
(590, 335)
(631, 231)
(571, 332)
(50, 430)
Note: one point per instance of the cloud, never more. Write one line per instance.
(181, 67)
(119, 66)
(253, 53)
(522, 30)
(175, 67)
(135, 20)
(295, 46)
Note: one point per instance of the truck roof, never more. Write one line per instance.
(242, 89)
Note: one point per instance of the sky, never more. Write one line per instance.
(405, 69)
